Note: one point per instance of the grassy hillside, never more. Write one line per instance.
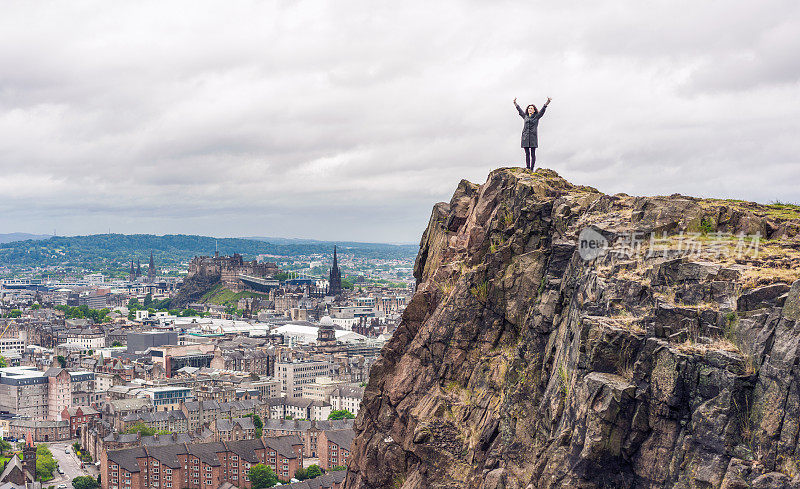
(222, 296)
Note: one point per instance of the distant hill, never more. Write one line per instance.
(344, 244)
(109, 249)
(11, 237)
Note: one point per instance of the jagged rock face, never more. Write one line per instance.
(520, 364)
(194, 287)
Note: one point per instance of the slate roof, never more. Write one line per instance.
(324, 481)
(286, 424)
(335, 424)
(207, 405)
(86, 410)
(130, 404)
(207, 452)
(174, 415)
(283, 444)
(343, 438)
(246, 449)
(348, 391)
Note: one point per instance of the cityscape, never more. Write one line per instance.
(198, 378)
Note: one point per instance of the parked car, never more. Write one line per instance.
(62, 486)
(60, 471)
(66, 450)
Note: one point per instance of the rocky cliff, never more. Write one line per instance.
(659, 350)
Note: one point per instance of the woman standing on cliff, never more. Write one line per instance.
(530, 137)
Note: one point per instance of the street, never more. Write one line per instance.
(69, 463)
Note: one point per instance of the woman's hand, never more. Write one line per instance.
(548, 100)
(515, 100)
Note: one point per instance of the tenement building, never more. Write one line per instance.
(199, 465)
(26, 391)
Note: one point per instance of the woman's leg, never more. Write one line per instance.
(533, 157)
(528, 158)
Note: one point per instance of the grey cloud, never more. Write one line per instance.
(349, 120)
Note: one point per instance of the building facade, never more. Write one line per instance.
(293, 375)
(334, 448)
(199, 465)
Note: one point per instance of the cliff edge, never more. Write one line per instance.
(564, 338)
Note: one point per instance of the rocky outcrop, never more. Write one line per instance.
(194, 287)
(564, 338)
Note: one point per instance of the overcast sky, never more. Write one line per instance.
(349, 120)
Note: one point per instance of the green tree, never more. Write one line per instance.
(116, 343)
(36, 306)
(257, 423)
(145, 430)
(62, 361)
(4, 445)
(85, 482)
(15, 313)
(261, 476)
(45, 463)
(3, 362)
(313, 470)
(337, 468)
(341, 414)
(148, 300)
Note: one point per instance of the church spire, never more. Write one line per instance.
(151, 270)
(335, 278)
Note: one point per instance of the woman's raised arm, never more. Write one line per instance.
(544, 107)
(521, 113)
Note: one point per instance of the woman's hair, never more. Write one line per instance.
(534, 108)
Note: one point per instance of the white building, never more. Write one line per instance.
(293, 375)
(12, 346)
(348, 398)
(320, 389)
(88, 340)
(94, 278)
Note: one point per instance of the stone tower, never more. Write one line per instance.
(326, 335)
(335, 278)
(29, 455)
(151, 269)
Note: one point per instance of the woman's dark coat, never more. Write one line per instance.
(530, 136)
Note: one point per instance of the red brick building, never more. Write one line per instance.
(79, 417)
(333, 447)
(199, 465)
